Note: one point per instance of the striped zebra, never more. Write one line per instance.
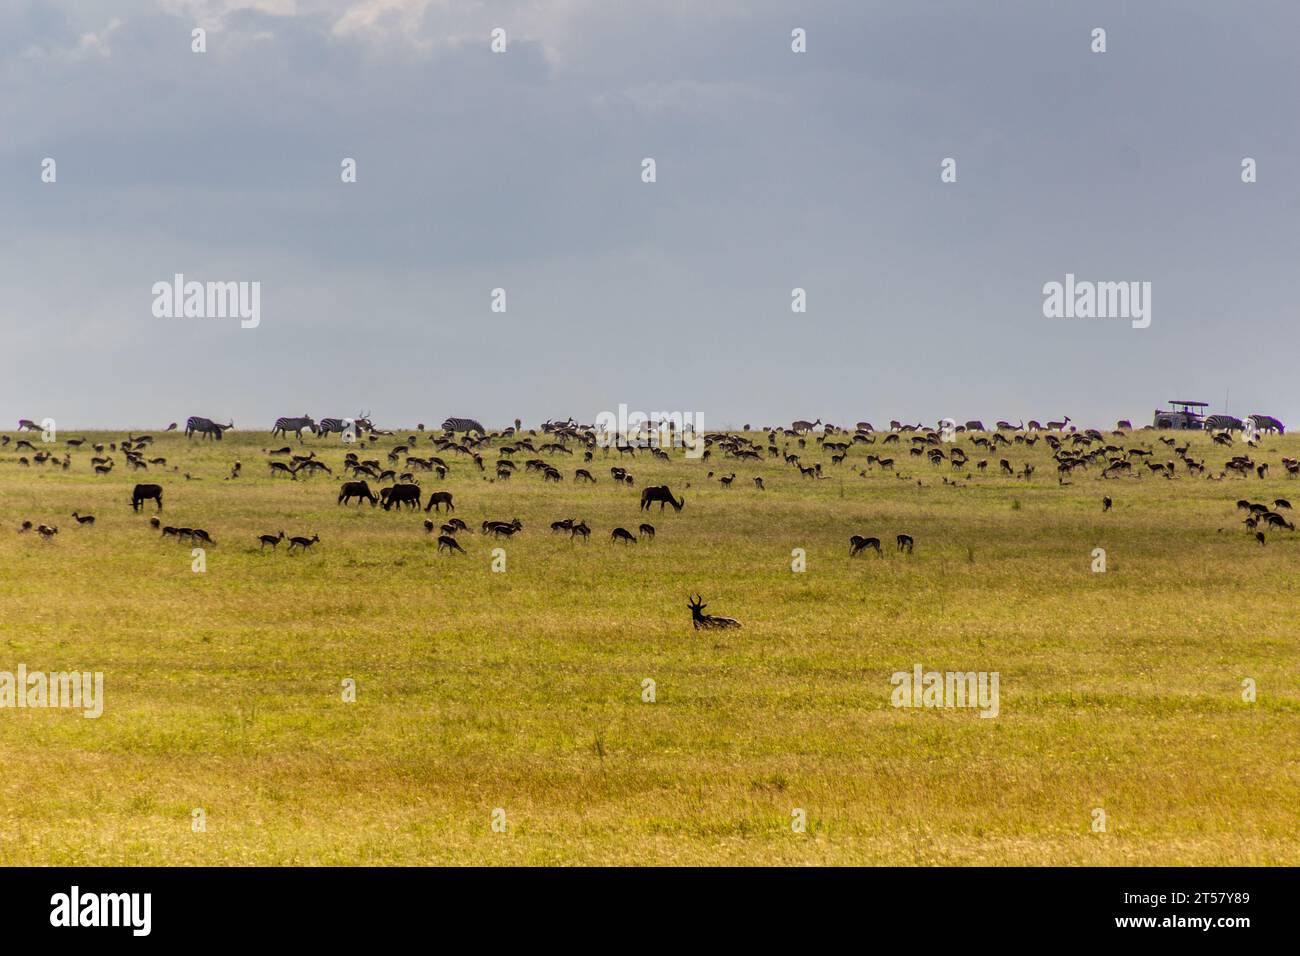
(285, 425)
(205, 427)
(1267, 423)
(327, 426)
(463, 425)
(1220, 422)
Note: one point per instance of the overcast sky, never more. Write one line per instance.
(522, 171)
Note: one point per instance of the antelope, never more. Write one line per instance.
(622, 534)
(580, 530)
(1105, 504)
(564, 525)
(280, 468)
(272, 539)
(84, 519)
(450, 543)
(647, 531)
(905, 543)
(858, 544)
(46, 532)
(301, 542)
(708, 621)
(582, 474)
(758, 483)
(201, 535)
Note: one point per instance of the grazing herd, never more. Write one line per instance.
(1121, 454)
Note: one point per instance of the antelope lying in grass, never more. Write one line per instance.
(708, 621)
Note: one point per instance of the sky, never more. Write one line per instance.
(523, 171)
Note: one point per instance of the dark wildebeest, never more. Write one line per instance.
(400, 495)
(439, 498)
(661, 494)
(358, 490)
(143, 493)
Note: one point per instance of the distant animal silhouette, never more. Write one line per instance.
(708, 621)
(661, 494)
(905, 543)
(622, 534)
(858, 543)
(272, 539)
(450, 543)
(143, 493)
(304, 543)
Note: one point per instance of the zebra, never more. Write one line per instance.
(327, 426)
(1222, 422)
(206, 427)
(1267, 423)
(285, 425)
(463, 425)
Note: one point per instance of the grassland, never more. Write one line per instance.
(522, 690)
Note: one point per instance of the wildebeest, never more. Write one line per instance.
(143, 493)
(400, 495)
(358, 490)
(439, 498)
(661, 494)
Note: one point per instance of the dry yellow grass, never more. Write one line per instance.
(522, 690)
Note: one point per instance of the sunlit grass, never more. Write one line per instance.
(523, 690)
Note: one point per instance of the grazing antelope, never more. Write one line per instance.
(905, 543)
(708, 621)
(450, 543)
(46, 532)
(622, 534)
(198, 534)
(304, 543)
(1259, 536)
(582, 474)
(27, 526)
(580, 530)
(1105, 504)
(758, 483)
(858, 544)
(272, 539)
(439, 498)
(84, 519)
(647, 531)
(1281, 503)
(429, 525)
(280, 468)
